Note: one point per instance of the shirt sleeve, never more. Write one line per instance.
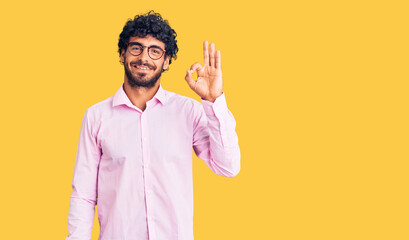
(84, 184)
(214, 138)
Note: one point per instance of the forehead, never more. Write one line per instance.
(148, 40)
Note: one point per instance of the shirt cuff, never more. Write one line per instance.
(215, 108)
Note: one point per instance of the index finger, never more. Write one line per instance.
(206, 53)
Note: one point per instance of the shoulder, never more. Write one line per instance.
(188, 108)
(182, 102)
(97, 110)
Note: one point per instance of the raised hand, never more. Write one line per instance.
(209, 82)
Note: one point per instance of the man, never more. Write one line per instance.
(134, 158)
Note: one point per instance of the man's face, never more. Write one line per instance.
(141, 70)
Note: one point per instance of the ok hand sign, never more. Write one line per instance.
(209, 83)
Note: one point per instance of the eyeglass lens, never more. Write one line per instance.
(153, 52)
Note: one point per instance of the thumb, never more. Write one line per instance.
(189, 80)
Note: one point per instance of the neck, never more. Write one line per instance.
(140, 95)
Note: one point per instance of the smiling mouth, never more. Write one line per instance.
(140, 67)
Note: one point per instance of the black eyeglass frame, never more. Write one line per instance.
(143, 48)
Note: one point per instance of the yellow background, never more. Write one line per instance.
(319, 90)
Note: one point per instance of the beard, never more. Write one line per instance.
(140, 80)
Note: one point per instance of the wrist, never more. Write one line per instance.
(212, 98)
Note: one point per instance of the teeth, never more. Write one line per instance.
(143, 68)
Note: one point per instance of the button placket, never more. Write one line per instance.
(146, 170)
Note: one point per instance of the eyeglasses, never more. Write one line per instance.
(136, 49)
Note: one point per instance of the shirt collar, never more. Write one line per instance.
(120, 97)
(161, 95)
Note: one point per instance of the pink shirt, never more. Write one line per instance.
(136, 166)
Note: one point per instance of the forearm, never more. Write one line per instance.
(80, 219)
(220, 150)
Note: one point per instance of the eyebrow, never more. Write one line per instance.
(138, 43)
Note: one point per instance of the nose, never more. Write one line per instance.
(144, 56)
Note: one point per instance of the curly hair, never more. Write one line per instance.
(152, 24)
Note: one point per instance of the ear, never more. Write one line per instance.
(122, 58)
(166, 63)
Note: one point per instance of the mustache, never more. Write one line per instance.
(139, 62)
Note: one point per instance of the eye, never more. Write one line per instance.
(155, 51)
(136, 48)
